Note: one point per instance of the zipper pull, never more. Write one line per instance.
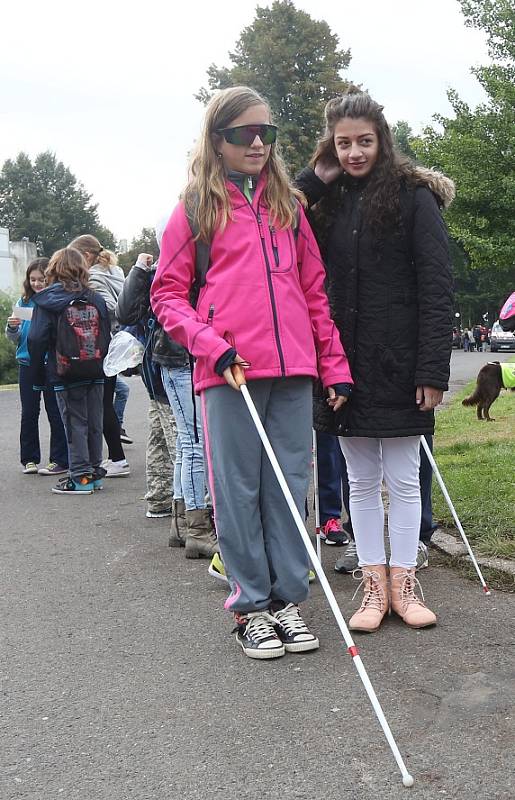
(274, 237)
(210, 314)
(250, 182)
(260, 226)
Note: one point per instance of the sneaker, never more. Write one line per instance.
(82, 485)
(116, 469)
(52, 469)
(99, 474)
(256, 634)
(165, 512)
(348, 561)
(216, 569)
(332, 533)
(422, 556)
(124, 437)
(30, 468)
(293, 631)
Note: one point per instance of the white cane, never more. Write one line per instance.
(453, 512)
(353, 651)
(317, 495)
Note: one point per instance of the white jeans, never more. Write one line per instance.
(397, 461)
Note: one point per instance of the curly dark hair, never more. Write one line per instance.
(38, 263)
(381, 196)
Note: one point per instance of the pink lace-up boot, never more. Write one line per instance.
(410, 608)
(375, 599)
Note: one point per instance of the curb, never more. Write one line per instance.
(454, 547)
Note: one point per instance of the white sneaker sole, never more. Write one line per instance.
(302, 647)
(118, 474)
(251, 652)
(216, 575)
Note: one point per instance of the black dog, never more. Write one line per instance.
(488, 387)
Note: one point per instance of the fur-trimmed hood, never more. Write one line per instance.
(437, 182)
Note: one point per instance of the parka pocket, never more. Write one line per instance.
(394, 384)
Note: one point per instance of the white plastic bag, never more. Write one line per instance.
(124, 352)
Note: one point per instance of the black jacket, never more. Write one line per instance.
(49, 303)
(134, 305)
(133, 308)
(392, 305)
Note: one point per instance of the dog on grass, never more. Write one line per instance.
(491, 378)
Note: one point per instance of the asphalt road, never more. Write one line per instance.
(120, 678)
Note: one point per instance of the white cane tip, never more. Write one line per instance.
(407, 780)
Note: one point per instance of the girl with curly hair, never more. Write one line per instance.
(377, 219)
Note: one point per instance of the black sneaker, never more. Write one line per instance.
(257, 636)
(333, 533)
(293, 631)
(124, 437)
(75, 486)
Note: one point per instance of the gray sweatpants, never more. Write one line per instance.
(263, 553)
(82, 411)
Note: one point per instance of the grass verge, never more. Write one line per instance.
(477, 465)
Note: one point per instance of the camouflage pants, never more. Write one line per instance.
(160, 457)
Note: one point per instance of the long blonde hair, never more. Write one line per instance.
(87, 243)
(206, 195)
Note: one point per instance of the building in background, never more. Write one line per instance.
(14, 260)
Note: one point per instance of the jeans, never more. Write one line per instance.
(121, 395)
(29, 430)
(189, 479)
(82, 412)
(332, 479)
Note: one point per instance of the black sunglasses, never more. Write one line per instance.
(245, 134)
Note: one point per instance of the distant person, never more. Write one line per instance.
(466, 341)
(385, 246)
(477, 333)
(70, 327)
(17, 331)
(106, 278)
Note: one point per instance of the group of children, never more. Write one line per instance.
(241, 287)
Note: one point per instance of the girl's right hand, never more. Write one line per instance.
(228, 374)
(13, 322)
(328, 169)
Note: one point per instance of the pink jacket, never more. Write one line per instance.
(264, 295)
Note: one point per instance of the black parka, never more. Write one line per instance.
(392, 304)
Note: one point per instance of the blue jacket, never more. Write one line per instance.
(19, 335)
(48, 305)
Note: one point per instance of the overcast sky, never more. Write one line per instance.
(110, 89)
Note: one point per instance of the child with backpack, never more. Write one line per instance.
(262, 305)
(70, 323)
(17, 331)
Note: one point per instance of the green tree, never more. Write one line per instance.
(295, 62)
(145, 242)
(44, 202)
(403, 135)
(477, 148)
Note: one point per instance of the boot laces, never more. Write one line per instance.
(260, 625)
(290, 620)
(409, 583)
(374, 595)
